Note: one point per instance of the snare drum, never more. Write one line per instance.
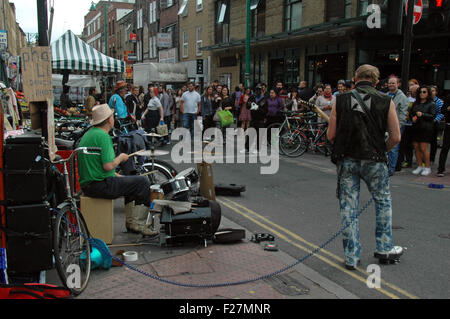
(176, 189)
(192, 179)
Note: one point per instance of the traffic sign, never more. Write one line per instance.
(418, 10)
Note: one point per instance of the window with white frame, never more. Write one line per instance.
(185, 45)
(152, 12)
(199, 41)
(155, 50)
(183, 8)
(139, 19)
(199, 5)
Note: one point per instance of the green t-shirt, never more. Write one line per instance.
(90, 167)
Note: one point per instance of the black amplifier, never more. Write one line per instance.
(25, 169)
(199, 223)
(29, 238)
(25, 187)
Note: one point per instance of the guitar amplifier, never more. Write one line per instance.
(199, 223)
(29, 238)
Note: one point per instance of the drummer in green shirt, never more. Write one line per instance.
(98, 177)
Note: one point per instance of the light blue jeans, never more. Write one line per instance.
(376, 176)
(393, 154)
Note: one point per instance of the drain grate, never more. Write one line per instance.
(446, 236)
(287, 285)
(397, 227)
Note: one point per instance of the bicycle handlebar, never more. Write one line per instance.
(85, 150)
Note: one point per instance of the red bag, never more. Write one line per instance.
(34, 291)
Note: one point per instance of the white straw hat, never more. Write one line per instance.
(101, 113)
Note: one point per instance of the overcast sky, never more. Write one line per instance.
(68, 15)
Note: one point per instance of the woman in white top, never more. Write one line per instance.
(154, 113)
(293, 101)
(326, 101)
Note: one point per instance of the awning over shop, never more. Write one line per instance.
(79, 81)
(72, 54)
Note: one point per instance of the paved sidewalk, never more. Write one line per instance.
(214, 264)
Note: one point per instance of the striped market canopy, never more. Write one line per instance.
(71, 53)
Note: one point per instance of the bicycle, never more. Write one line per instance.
(293, 121)
(70, 233)
(311, 136)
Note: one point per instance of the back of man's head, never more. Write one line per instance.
(367, 72)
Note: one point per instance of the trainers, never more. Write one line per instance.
(440, 174)
(418, 170)
(352, 267)
(393, 254)
(426, 171)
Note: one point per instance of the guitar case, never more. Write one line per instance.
(229, 189)
(228, 236)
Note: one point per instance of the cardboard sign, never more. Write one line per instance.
(37, 74)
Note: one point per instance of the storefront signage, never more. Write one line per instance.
(164, 40)
(168, 56)
(3, 39)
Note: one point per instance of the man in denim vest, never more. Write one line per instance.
(358, 124)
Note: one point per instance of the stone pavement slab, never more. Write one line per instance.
(195, 264)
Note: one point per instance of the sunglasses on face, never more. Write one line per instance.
(424, 92)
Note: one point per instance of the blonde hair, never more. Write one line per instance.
(368, 72)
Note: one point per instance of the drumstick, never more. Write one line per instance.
(136, 153)
(149, 173)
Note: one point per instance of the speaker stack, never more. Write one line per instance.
(28, 218)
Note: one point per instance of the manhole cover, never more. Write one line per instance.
(446, 236)
(287, 285)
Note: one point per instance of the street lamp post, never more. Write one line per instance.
(42, 11)
(407, 43)
(247, 46)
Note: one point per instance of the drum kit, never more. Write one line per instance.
(179, 188)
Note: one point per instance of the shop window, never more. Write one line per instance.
(293, 15)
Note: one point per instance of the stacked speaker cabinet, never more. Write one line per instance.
(28, 218)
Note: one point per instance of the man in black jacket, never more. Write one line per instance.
(304, 92)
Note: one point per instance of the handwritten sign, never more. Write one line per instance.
(37, 74)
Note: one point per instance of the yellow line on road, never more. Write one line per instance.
(296, 237)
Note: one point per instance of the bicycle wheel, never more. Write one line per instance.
(322, 145)
(72, 250)
(293, 145)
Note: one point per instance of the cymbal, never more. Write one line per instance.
(149, 153)
(153, 153)
(152, 135)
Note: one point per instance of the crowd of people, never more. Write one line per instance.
(420, 111)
